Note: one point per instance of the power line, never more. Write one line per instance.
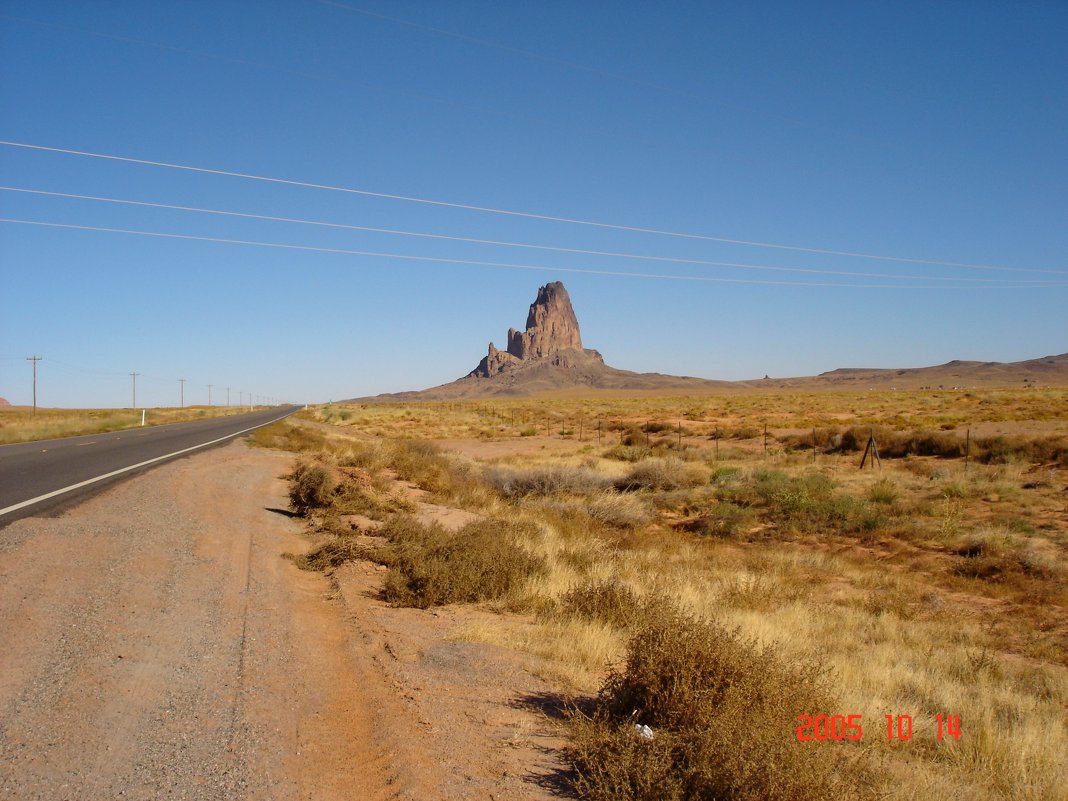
(502, 243)
(511, 266)
(511, 213)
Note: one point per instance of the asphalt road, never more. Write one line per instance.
(39, 476)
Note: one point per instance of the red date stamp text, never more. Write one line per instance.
(851, 727)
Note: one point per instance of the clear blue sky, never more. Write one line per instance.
(934, 131)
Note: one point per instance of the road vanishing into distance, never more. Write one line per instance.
(42, 475)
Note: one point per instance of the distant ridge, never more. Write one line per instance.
(548, 358)
(1047, 370)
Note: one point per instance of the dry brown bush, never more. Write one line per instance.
(619, 511)
(312, 485)
(662, 474)
(334, 552)
(515, 482)
(724, 520)
(422, 463)
(723, 714)
(607, 601)
(430, 566)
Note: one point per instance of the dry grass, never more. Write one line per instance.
(920, 589)
(21, 425)
(735, 416)
(545, 480)
(285, 435)
(609, 601)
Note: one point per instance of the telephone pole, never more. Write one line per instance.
(34, 359)
(181, 392)
(134, 377)
(228, 396)
(209, 393)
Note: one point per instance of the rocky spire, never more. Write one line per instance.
(551, 327)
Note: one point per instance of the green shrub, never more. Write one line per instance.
(723, 712)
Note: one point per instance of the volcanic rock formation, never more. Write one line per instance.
(552, 335)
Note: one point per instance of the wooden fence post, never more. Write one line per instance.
(872, 449)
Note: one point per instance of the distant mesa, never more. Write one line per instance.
(4, 403)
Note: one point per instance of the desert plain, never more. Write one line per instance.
(717, 566)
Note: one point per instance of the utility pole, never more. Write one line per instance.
(134, 377)
(34, 359)
(228, 396)
(209, 393)
(181, 392)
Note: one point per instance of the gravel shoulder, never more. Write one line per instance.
(156, 644)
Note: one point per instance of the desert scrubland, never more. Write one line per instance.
(672, 566)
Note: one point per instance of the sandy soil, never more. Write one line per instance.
(156, 644)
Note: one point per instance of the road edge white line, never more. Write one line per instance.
(87, 482)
